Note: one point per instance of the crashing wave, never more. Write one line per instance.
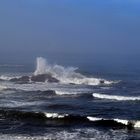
(57, 119)
(115, 97)
(46, 118)
(129, 123)
(65, 75)
(55, 74)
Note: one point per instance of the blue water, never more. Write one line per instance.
(25, 106)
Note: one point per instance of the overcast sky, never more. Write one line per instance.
(69, 27)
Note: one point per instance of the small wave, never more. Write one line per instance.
(7, 78)
(79, 94)
(50, 89)
(115, 97)
(66, 93)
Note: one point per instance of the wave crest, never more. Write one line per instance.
(129, 123)
(115, 97)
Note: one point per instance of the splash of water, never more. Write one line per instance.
(65, 75)
(40, 66)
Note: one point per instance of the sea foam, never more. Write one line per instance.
(115, 97)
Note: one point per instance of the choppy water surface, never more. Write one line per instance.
(76, 107)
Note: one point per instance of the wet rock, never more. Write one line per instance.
(43, 78)
(102, 81)
(22, 79)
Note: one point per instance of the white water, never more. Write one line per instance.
(135, 123)
(55, 115)
(2, 87)
(115, 97)
(65, 75)
(60, 89)
(40, 66)
(94, 119)
(7, 77)
(58, 92)
(125, 122)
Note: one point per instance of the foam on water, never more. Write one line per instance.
(55, 115)
(65, 75)
(66, 93)
(11, 104)
(137, 124)
(115, 97)
(125, 122)
(7, 77)
(94, 118)
(59, 88)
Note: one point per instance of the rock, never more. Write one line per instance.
(35, 78)
(53, 80)
(24, 78)
(43, 78)
(102, 81)
(21, 80)
(130, 125)
(49, 92)
(38, 78)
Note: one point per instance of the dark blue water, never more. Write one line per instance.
(79, 106)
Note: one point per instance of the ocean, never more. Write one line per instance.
(58, 102)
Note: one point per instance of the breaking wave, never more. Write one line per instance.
(66, 75)
(129, 123)
(56, 119)
(115, 97)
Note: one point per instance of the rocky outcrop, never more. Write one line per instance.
(35, 78)
(43, 78)
(22, 80)
(102, 81)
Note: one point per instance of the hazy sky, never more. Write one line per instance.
(57, 28)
